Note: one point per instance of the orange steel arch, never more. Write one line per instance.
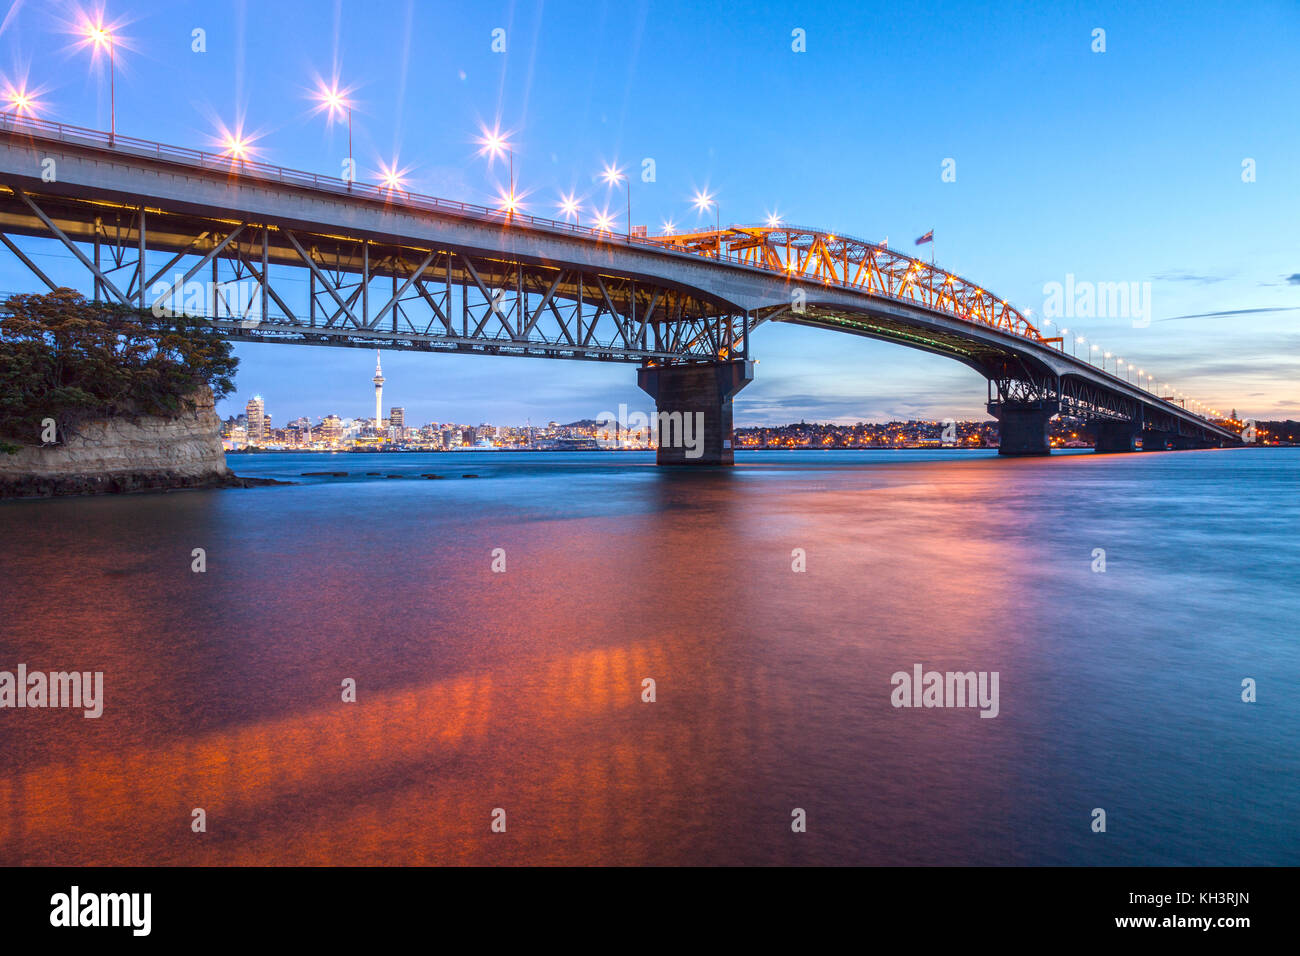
(854, 263)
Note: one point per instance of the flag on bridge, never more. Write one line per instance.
(928, 237)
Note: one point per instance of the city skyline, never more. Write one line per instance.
(1054, 175)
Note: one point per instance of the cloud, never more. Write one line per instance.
(1216, 315)
(1293, 278)
(1187, 277)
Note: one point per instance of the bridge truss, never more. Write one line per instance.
(820, 257)
(265, 281)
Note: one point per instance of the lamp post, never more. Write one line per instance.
(100, 36)
(703, 200)
(569, 207)
(20, 102)
(336, 102)
(613, 176)
(495, 144)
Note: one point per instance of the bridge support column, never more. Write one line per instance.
(1022, 426)
(1153, 440)
(693, 405)
(1116, 436)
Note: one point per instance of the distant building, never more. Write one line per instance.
(397, 417)
(331, 429)
(256, 414)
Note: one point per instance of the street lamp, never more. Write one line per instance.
(495, 145)
(392, 178)
(20, 101)
(569, 207)
(236, 145)
(613, 176)
(703, 200)
(99, 37)
(335, 102)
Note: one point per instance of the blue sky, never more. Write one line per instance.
(1117, 166)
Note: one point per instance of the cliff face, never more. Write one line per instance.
(125, 454)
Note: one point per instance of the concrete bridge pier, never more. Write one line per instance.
(1154, 440)
(693, 406)
(1022, 426)
(1114, 437)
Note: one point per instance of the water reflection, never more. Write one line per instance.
(522, 690)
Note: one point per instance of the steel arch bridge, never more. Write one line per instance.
(276, 255)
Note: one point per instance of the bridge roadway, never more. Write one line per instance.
(390, 269)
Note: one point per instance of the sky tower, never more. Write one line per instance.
(379, 392)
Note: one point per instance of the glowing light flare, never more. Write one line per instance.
(604, 221)
(702, 201)
(235, 143)
(569, 206)
(612, 175)
(20, 100)
(495, 144)
(334, 100)
(509, 202)
(392, 178)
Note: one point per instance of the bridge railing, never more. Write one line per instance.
(224, 162)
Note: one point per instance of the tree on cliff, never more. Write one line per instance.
(70, 360)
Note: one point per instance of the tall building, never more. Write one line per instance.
(397, 417)
(379, 393)
(331, 429)
(256, 412)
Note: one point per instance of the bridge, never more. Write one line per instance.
(276, 255)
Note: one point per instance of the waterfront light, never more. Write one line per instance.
(604, 222)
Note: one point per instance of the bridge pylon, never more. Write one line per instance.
(1116, 436)
(1022, 426)
(693, 424)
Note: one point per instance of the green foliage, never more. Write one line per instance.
(64, 358)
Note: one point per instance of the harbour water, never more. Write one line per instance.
(521, 690)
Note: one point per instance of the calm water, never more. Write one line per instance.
(522, 690)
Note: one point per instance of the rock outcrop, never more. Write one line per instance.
(126, 454)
